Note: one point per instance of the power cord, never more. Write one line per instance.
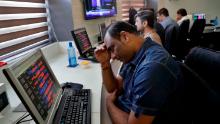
(23, 115)
(21, 119)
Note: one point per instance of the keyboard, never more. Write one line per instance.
(89, 55)
(77, 107)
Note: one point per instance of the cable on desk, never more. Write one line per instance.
(21, 119)
(24, 121)
(22, 115)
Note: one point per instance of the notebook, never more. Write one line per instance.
(37, 87)
(83, 44)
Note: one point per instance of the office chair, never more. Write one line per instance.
(184, 27)
(160, 31)
(203, 94)
(132, 12)
(206, 63)
(182, 44)
(197, 99)
(178, 109)
(196, 32)
(171, 35)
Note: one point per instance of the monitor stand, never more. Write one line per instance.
(90, 58)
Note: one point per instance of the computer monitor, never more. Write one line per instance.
(102, 28)
(36, 86)
(81, 40)
(198, 16)
(99, 8)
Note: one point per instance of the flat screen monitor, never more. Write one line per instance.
(198, 16)
(36, 86)
(81, 40)
(99, 8)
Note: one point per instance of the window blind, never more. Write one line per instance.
(23, 26)
(127, 4)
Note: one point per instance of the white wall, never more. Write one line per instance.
(91, 25)
(210, 7)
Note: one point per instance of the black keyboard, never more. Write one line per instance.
(77, 107)
(89, 56)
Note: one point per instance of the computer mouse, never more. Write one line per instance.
(75, 86)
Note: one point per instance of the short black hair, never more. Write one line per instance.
(163, 11)
(182, 12)
(146, 15)
(115, 28)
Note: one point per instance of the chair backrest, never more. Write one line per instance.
(193, 102)
(182, 46)
(183, 29)
(160, 31)
(171, 35)
(132, 12)
(203, 94)
(175, 110)
(206, 63)
(180, 106)
(197, 29)
(200, 103)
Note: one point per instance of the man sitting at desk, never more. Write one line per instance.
(144, 21)
(146, 80)
(165, 20)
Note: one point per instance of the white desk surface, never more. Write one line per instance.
(90, 77)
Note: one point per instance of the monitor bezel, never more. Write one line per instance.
(197, 14)
(81, 52)
(101, 16)
(25, 99)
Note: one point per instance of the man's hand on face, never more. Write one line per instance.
(102, 54)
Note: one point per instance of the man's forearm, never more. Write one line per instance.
(117, 115)
(108, 77)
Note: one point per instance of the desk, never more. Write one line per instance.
(211, 29)
(211, 38)
(56, 55)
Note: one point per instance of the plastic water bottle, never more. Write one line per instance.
(216, 21)
(72, 55)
